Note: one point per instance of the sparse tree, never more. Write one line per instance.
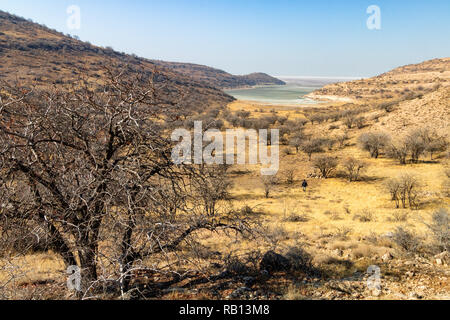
(312, 146)
(325, 164)
(373, 142)
(404, 190)
(289, 175)
(342, 139)
(398, 150)
(417, 142)
(354, 168)
(296, 140)
(269, 182)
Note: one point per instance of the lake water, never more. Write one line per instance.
(288, 94)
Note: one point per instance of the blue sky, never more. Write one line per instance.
(283, 37)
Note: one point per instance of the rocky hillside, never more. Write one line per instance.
(32, 53)
(419, 94)
(419, 78)
(219, 78)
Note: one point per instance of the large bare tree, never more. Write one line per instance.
(91, 169)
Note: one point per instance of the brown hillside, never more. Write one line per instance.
(219, 78)
(432, 109)
(401, 82)
(31, 53)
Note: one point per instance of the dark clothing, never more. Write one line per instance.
(304, 185)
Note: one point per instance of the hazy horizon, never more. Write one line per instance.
(321, 39)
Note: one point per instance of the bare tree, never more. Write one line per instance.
(296, 140)
(92, 169)
(373, 142)
(404, 190)
(325, 164)
(417, 142)
(289, 175)
(398, 150)
(342, 139)
(436, 145)
(312, 146)
(349, 120)
(354, 168)
(269, 182)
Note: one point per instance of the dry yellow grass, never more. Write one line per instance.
(330, 206)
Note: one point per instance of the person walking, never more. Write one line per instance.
(304, 185)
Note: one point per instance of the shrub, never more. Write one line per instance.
(440, 228)
(342, 139)
(269, 182)
(296, 217)
(406, 240)
(312, 146)
(354, 168)
(365, 215)
(399, 216)
(360, 122)
(416, 143)
(373, 142)
(289, 175)
(326, 165)
(404, 190)
(398, 150)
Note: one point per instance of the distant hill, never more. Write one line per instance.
(219, 78)
(32, 53)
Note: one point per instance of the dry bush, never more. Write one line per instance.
(406, 240)
(365, 251)
(276, 234)
(354, 168)
(373, 142)
(440, 228)
(269, 183)
(360, 122)
(312, 146)
(342, 139)
(365, 215)
(326, 165)
(404, 190)
(398, 216)
(289, 175)
(291, 214)
(446, 183)
(398, 150)
(299, 259)
(296, 217)
(342, 233)
(416, 142)
(294, 293)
